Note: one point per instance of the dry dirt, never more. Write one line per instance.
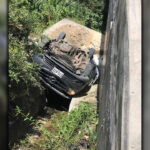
(76, 34)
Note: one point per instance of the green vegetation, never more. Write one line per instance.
(67, 130)
(33, 16)
(26, 117)
(22, 73)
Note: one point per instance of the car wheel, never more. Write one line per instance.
(61, 36)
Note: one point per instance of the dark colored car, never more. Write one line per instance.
(57, 73)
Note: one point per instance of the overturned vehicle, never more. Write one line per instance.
(65, 68)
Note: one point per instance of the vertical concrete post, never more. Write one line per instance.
(120, 88)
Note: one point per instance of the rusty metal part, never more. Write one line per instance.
(70, 55)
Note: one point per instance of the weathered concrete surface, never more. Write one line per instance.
(90, 97)
(134, 28)
(120, 87)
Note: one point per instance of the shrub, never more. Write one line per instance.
(21, 70)
(67, 130)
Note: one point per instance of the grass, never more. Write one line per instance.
(66, 131)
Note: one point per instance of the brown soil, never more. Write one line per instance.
(76, 35)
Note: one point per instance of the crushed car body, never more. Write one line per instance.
(65, 68)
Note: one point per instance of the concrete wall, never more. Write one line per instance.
(120, 87)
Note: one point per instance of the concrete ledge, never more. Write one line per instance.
(134, 28)
(120, 87)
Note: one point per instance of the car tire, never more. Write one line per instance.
(61, 36)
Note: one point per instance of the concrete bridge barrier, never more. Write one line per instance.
(120, 88)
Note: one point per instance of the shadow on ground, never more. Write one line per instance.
(56, 101)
